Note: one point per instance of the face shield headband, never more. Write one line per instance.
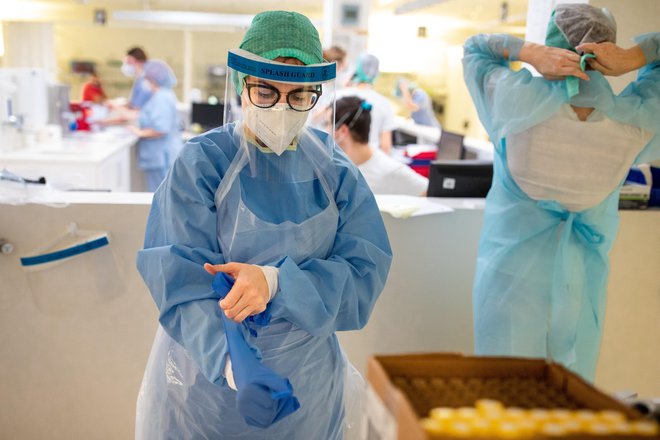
(277, 97)
(245, 63)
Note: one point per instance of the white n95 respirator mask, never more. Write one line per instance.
(276, 126)
(128, 70)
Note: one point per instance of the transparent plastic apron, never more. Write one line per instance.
(312, 364)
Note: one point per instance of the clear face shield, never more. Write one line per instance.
(280, 107)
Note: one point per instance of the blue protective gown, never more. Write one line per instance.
(541, 275)
(156, 155)
(139, 93)
(424, 115)
(333, 256)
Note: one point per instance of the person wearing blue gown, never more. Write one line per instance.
(133, 67)
(278, 207)
(564, 143)
(158, 125)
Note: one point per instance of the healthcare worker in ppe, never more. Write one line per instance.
(133, 67)
(278, 207)
(563, 147)
(383, 120)
(158, 125)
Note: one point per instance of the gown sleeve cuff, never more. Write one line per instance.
(271, 273)
(650, 45)
(514, 45)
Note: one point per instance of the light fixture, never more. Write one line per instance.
(188, 18)
(184, 18)
(415, 5)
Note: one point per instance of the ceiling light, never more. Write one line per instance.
(184, 18)
(415, 5)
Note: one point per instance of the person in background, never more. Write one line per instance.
(92, 90)
(417, 101)
(564, 143)
(338, 55)
(384, 174)
(133, 67)
(158, 125)
(276, 206)
(382, 113)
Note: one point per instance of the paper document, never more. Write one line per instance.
(399, 206)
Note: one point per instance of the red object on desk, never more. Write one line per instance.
(421, 160)
(82, 112)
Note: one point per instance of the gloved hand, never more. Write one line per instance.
(263, 397)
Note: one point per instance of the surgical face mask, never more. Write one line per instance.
(128, 70)
(277, 126)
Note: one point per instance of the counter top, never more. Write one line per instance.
(78, 147)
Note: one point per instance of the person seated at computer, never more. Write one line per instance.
(383, 174)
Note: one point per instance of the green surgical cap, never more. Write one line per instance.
(275, 34)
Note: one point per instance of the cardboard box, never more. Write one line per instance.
(404, 388)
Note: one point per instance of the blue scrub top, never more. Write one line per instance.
(160, 114)
(140, 93)
(425, 115)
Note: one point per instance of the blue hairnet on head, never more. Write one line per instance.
(160, 73)
(366, 69)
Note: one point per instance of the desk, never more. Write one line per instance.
(483, 149)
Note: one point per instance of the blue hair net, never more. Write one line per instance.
(160, 73)
(366, 69)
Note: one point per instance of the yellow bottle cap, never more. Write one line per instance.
(508, 430)
(443, 413)
(599, 428)
(488, 406)
(466, 412)
(584, 415)
(552, 429)
(432, 426)
(459, 428)
(611, 416)
(644, 427)
(514, 413)
(560, 414)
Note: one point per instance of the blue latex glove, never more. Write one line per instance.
(263, 397)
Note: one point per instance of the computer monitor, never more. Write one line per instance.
(207, 115)
(450, 146)
(460, 178)
(402, 138)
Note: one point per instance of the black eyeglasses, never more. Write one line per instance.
(266, 96)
